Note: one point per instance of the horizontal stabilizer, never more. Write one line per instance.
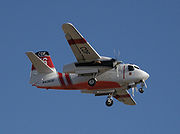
(40, 66)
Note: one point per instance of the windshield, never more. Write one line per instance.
(136, 67)
(130, 68)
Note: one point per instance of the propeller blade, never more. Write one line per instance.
(116, 63)
(115, 54)
(132, 91)
(117, 70)
(118, 54)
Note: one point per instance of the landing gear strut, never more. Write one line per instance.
(109, 101)
(92, 82)
(141, 90)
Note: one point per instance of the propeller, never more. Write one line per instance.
(117, 55)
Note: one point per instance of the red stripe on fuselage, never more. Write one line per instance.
(77, 41)
(68, 79)
(61, 79)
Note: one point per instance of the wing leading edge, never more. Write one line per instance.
(82, 50)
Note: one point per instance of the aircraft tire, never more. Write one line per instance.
(141, 90)
(92, 82)
(109, 102)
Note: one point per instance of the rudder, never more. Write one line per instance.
(45, 57)
(41, 65)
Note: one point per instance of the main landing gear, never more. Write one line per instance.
(92, 82)
(109, 101)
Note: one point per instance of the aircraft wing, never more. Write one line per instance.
(82, 50)
(125, 97)
(120, 94)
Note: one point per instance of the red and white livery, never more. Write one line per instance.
(91, 73)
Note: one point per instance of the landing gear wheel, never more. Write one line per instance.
(109, 102)
(141, 90)
(92, 82)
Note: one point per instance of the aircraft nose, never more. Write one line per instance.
(145, 75)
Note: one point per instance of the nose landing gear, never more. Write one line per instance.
(143, 84)
(141, 90)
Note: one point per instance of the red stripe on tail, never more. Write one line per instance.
(47, 60)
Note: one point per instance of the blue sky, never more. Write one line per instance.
(145, 32)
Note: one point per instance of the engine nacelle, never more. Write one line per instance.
(97, 66)
(69, 68)
(72, 68)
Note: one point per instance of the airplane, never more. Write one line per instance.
(91, 74)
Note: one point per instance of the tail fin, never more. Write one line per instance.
(41, 61)
(41, 64)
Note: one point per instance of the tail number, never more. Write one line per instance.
(45, 60)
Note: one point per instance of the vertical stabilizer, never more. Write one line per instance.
(45, 57)
(41, 65)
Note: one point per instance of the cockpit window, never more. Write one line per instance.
(136, 67)
(130, 68)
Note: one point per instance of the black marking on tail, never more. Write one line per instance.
(42, 53)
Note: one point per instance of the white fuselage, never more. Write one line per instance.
(113, 78)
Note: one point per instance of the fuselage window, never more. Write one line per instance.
(130, 68)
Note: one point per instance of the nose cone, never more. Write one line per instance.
(145, 76)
